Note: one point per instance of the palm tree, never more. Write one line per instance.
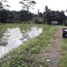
(27, 4)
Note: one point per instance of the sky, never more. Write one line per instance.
(52, 4)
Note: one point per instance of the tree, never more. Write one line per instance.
(46, 13)
(27, 4)
(25, 16)
(3, 12)
(51, 15)
(2, 5)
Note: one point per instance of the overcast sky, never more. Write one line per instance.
(52, 4)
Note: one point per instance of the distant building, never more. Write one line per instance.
(54, 22)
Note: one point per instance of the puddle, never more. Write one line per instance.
(13, 38)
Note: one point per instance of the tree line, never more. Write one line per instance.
(7, 16)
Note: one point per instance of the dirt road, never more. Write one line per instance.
(53, 55)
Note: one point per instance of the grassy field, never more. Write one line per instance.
(27, 55)
(63, 56)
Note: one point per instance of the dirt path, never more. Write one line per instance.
(53, 55)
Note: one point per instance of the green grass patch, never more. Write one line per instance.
(63, 57)
(27, 54)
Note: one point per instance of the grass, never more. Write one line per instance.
(27, 54)
(63, 56)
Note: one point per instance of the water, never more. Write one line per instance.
(34, 32)
(13, 38)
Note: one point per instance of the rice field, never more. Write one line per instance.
(30, 53)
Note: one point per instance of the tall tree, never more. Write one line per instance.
(2, 10)
(1, 5)
(47, 10)
(27, 4)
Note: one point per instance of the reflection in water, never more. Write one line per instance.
(13, 38)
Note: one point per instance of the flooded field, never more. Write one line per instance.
(14, 37)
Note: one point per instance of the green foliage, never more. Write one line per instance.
(52, 15)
